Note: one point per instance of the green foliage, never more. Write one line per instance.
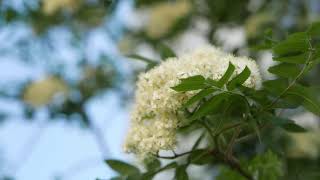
(239, 79)
(123, 168)
(294, 44)
(266, 166)
(285, 70)
(165, 51)
(284, 123)
(181, 173)
(150, 63)
(191, 83)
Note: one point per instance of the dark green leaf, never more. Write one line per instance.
(152, 164)
(295, 59)
(291, 126)
(284, 123)
(208, 106)
(202, 94)
(225, 78)
(190, 84)
(310, 98)
(239, 79)
(165, 51)
(200, 157)
(276, 86)
(285, 70)
(294, 44)
(169, 166)
(181, 173)
(122, 168)
(314, 29)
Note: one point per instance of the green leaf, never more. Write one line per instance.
(294, 44)
(314, 29)
(200, 157)
(209, 106)
(225, 78)
(152, 164)
(295, 59)
(190, 84)
(285, 70)
(122, 168)
(181, 173)
(151, 63)
(310, 98)
(165, 51)
(266, 166)
(267, 41)
(239, 79)
(169, 166)
(276, 86)
(284, 123)
(202, 94)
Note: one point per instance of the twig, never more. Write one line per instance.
(208, 129)
(232, 142)
(174, 156)
(229, 127)
(232, 162)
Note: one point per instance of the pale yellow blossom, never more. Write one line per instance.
(42, 92)
(156, 116)
(164, 16)
(50, 7)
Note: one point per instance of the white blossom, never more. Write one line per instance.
(156, 116)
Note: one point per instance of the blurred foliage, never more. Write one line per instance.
(51, 13)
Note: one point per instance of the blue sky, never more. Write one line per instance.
(43, 150)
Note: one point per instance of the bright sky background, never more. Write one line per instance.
(59, 146)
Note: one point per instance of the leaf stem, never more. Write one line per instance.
(293, 82)
(174, 156)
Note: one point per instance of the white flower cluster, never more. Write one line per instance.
(165, 15)
(42, 92)
(50, 7)
(155, 117)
